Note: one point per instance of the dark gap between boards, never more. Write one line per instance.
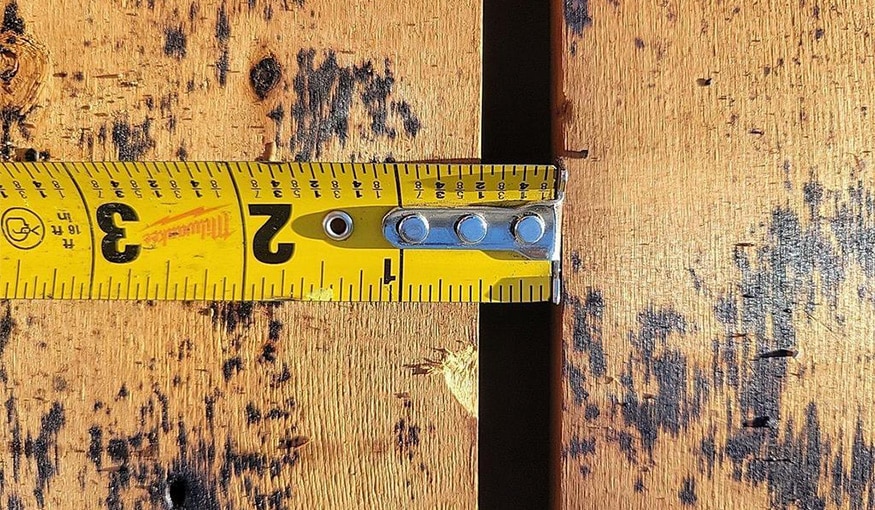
(516, 340)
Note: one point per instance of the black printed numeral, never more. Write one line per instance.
(388, 277)
(109, 246)
(278, 217)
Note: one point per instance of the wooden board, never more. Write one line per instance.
(212, 405)
(718, 341)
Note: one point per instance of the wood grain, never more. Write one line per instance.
(718, 335)
(217, 405)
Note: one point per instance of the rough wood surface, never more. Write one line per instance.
(720, 254)
(211, 405)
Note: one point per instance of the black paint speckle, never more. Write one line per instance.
(407, 437)
(580, 447)
(181, 436)
(591, 412)
(132, 141)
(627, 446)
(164, 402)
(11, 117)
(239, 464)
(231, 314)
(796, 482)
(698, 284)
(837, 476)
(376, 89)
(95, 448)
(708, 452)
(282, 377)
(223, 26)
(223, 36)
(117, 449)
(12, 21)
(210, 405)
(671, 409)
(268, 353)
(231, 367)
(325, 95)
(576, 14)
(13, 502)
(7, 323)
(277, 114)
(44, 450)
(587, 334)
(577, 381)
(274, 328)
(410, 121)
(576, 261)
(859, 481)
(175, 42)
(655, 327)
(253, 415)
(136, 441)
(687, 494)
(223, 65)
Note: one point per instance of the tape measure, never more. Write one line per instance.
(276, 231)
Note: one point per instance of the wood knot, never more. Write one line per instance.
(265, 75)
(24, 66)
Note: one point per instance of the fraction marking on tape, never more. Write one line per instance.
(252, 231)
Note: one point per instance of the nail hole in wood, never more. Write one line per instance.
(177, 492)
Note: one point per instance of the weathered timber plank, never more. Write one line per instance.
(718, 333)
(210, 405)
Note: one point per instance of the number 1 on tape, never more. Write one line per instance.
(271, 231)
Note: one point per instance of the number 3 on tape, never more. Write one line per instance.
(271, 231)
